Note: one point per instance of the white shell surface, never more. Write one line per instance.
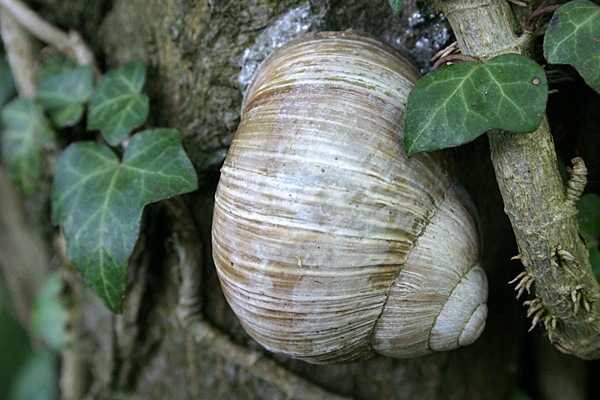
(441, 290)
(463, 316)
(318, 209)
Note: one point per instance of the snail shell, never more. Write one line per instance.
(330, 244)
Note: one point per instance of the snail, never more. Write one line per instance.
(330, 244)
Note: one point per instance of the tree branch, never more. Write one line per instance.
(22, 53)
(70, 44)
(542, 213)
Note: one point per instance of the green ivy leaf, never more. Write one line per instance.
(573, 37)
(117, 105)
(56, 64)
(454, 104)
(67, 116)
(15, 347)
(397, 5)
(593, 247)
(25, 134)
(588, 217)
(66, 87)
(48, 314)
(37, 378)
(64, 94)
(99, 202)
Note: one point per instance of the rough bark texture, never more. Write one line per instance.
(177, 338)
(541, 209)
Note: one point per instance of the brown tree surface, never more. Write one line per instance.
(177, 337)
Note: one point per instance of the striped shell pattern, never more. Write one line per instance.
(330, 244)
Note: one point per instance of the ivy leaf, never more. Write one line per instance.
(454, 104)
(99, 202)
(57, 63)
(588, 217)
(25, 134)
(573, 37)
(117, 105)
(593, 247)
(67, 116)
(48, 314)
(397, 5)
(65, 87)
(37, 378)
(64, 94)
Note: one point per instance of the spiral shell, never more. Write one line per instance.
(330, 244)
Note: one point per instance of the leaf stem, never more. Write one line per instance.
(71, 44)
(542, 212)
(21, 52)
(451, 58)
(538, 13)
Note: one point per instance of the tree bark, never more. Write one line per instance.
(177, 338)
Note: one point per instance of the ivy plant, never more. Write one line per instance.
(26, 133)
(456, 103)
(64, 94)
(589, 222)
(118, 105)
(99, 200)
(397, 5)
(573, 37)
(98, 197)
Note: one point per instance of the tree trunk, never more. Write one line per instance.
(177, 338)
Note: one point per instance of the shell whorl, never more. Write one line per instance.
(319, 216)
